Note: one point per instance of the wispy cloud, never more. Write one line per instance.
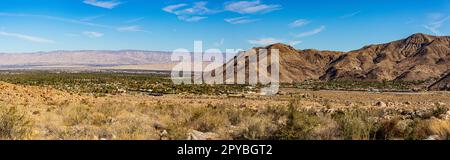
(92, 18)
(350, 15)
(66, 20)
(250, 7)
(103, 4)
(240, 20)
(310, 33)
(191, 18)
(264, 41)
(91, 34)
(26, 37)
(193, 13)
(134, 20)
(294, 43)
(269, 41)
(436, 21)
(132, 29)
(299, 23)
(172, 8)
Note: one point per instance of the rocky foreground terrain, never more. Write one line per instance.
(30, 112)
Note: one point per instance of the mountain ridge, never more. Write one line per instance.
(419, 57)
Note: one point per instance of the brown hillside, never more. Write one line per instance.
(419, 57)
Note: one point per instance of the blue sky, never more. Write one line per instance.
(165, 25)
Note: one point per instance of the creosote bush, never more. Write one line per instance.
(14, 124)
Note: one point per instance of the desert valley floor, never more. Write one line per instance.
(43, 112)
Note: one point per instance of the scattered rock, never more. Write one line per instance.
(159, 126)
(446, 116)
(433, 137)
(391, 104)
(163, 135)
(156, 94)
(197, 135)
(122, 90)
(380, 104)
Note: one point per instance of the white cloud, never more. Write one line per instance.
(191, 18)
(26, 37)
(103, 4)
(240, 20)
(310, 33)
(350, 15)
(299, 23)
(62, 19)
(172, 8)
(74, 21)
(132, 29)
(265, 41)
(436, 21)
(294, 43)
(198, 8)
(250, 7)
(92, 34)
(194, 13)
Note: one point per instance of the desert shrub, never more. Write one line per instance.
(133, 126)
(77, 115)
(391, 129)
(235, 117)
(439, 110)
(356, 125)
(255, 128)
(276, 112)
(208, 119)
(299, 125)
(440, 128)
(328, 129)
(14, 124)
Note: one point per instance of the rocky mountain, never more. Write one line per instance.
(418, 57)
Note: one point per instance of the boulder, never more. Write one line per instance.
(380, 104)
(197, 135)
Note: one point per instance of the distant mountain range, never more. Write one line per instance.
(83, 58)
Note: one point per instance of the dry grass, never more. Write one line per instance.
(45, 113)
